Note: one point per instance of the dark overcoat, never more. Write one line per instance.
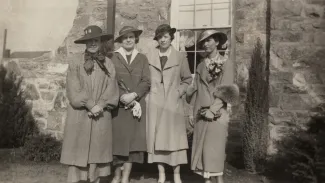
(88, 140)
(129, 133)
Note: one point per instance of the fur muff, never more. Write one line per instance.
(227, 93)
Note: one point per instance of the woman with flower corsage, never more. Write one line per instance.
(129, 121)
(212, 93)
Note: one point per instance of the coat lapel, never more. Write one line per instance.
(134, 62)
(154, 59)
(123, 61)
(172, 59)
(201, 72)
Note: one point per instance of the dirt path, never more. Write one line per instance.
(56, 173)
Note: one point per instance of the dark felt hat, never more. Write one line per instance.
(207, 33)
(127, 29)
(163, 29)
(92, 32)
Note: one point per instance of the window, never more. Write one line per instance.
(191, 17)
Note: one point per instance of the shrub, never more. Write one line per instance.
(42, 148)
(16, 119)
(302, 152)
(255, 127)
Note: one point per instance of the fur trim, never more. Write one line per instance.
(227, 93)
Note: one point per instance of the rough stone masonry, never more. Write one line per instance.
(297, 56)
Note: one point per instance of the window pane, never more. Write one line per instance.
(186, 14)
(204, 13)
(221, 15)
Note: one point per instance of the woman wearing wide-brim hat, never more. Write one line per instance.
(213, 90)
(92, 92)
(129, 122)
(166, 127)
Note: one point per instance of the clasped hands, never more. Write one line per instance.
(95, 111)
(128, 99)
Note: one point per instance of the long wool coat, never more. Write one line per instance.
(167, 132)
(89, 140)
(129, 133)
(209, 138)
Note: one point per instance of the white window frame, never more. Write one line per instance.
(174, 22)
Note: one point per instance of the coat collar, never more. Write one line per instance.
(121, 55)
(173, 59)
(171, 62)
(122, 51)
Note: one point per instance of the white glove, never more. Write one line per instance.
(136, 110)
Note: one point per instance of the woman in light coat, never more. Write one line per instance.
(92, 92)
(212, 92)
(166, 129)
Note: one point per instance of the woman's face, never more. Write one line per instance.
(93, 45)
(165, 41)
(210, 44)
(128, 41)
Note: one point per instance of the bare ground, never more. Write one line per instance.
(13, 169)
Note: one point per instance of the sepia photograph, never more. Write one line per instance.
(162, 91)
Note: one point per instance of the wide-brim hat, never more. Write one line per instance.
(163, 29)
(208, 33)
(92, 32)
(127, 29)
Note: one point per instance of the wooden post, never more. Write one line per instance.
(111, 7)
(4, 44)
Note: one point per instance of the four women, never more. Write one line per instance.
(125, 106)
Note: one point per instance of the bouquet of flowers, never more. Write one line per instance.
(215, 66)
(134, 105)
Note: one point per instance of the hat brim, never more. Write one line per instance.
(135, 31)
(222, 37)
(103, 36)
(172, 31)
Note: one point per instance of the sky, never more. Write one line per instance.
(36, 25)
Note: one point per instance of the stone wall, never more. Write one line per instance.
(297, 57)
(44, 86)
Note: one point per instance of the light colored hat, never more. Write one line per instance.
(207, 33)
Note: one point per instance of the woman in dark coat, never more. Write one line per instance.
(92, 91)
(212, 91)
(166, 127)
(129, 120)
